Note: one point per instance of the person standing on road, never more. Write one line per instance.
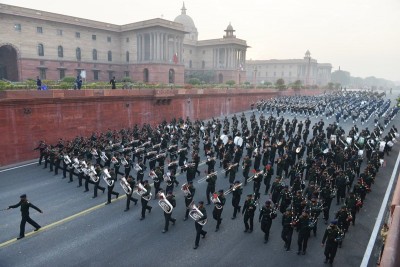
(25, 205)
(331, 236)
(199, 227)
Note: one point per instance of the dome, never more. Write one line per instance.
(188, 23)
(229, 28)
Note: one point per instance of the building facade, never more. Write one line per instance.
(307, 70)
(53, 46)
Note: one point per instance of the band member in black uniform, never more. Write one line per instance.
(332, 237)
(196, 161)
(128, 166)
(351, 203)
(96, 184)
(168, 216)
(210, 164)
(249, 208)
(140, 173)
(304, 233)
(267, 214)
(257, 184)
(211, 180)
(157, 180)
(129, 197)
(110, 188)
(65, 165)
(71, 174)
(219, 207)
(288, 222)
(25, 205)
(57, 161)
(189, 194)
(268, 172)
(144, 201)
(246, 168)
(41, 147)
(199, 227)
(236, 195)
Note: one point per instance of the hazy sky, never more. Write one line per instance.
(360, 36)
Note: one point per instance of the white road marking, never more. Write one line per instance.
(13, 168)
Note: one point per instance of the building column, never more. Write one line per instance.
(142, 47)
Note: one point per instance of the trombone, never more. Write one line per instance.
(254, 176)
(206, 177)
(233, 188)
(229, 168)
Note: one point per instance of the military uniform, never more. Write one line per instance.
(249, 208)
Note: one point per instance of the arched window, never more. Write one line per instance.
(171, 76)
(190, 64)
(78, 53)
(203, 64)
(127, 56)
(94, 54)
(220, 78)
(40, 50)
(60, 51)
(146, 75)
(109, 56)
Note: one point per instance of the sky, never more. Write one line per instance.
(359, 36)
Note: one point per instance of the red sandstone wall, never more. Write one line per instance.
(29, 116)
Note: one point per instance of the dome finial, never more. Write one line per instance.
(183, 9)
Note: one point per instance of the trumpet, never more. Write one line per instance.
(196, 214)
(103, 156)
(126, 186)
(215, 199)
(233, 188)
(141, 191)
(93, 175)
(229, 168)
(206, 177)
(164, 203)
(186, 191)
(67, 160)
(254, 176)
(107, 177)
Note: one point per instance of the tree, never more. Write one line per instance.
(280, 84)
(230, 82)
(297, 85)
(331, 85)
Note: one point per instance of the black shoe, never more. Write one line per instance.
(234, 217)
(304, 253)
(135, 202)
(250, 231)
(173, 221)
(85, 191)
(107, 203)
(117, 195)
(216, 229)
(298, 252)
(185, 219)
(150, 209)
(37, 229)
(164, 231)
(265, 241)
(141, 218)
(69, 181)
(246, 231)
(204, 236)
(326, 261)
(79, 186)
(103, 190)
(288, 249)
(94, 196)
(64, 178)
(21, 236)
(126, 210)
(195, 246)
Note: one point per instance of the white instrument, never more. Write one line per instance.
(349, 140)
(224, 139)
(94, 153)
(215, 199)
(238, 141)
(114, 160)
(84, 167)
(106, 177)
(390, 143)
(229, 168)
(164, 203)
(185, 190)
(326, 150)
(153, 175)
(103, 156)
(124, 161)
(67, 160)
(206, 177)
(137, 167)
(76, 165)
(167, 177)
(126, 186)
(141, 190)
(361, 153)
(254, 176)
(382, 145)
(233, 188)
(196, 214)
(93, 175)
(333, 138)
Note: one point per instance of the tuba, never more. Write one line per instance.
(84, 167)
(196, 214)
(126, 186)
(107, 176)
(141, 190)
(216, 201)
(164, 203)
(76, 165)
(93, 175)
(103, 156)
(233, 188)
(67, 160)
(94, 153)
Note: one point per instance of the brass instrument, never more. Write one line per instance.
(67, 160)
(114, 160)
(216, 201)
(185, 190)
(151, 153)
(156, 146)
(139, 149)
(229, 168)
(158, 156)
(254, 176)
(94, 153)
(107, 176)
(153, 175)
(145, 144)
(93, 175)
(196, 214)
(76, 165)
(137, 167)
(126, 186)
(124, 161)
(167, 177)
(206, 177)
(233, 188)
(84, 167)
(164, 203)
(103, 156)
(141, 190)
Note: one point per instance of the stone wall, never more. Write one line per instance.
(29, 116)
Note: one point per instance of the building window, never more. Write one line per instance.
(96, 75)
(110, 75)
(109, 39)
(17, 27)
(203, 64)
(127, 56)
(60, 51)
(190, 64)
(39, 29)
(62, 74)
(59, 32)
(127, 74)
(127, 39)
(109, 56)
(42, 73)
(78, 53)
(94, 54)
(40, 50)
(78, 35)
(93, 37)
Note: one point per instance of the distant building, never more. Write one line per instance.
(307, 70)
(52, 46)
(342, 77)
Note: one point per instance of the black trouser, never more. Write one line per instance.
(248, 217)
(199, 231)
(210, 190)
(71, 175)
(330, 251)
(41, 158)
(236, 207)
(217, 216)
(56, 167)
(51, 164)
(286, 236)
(187, 203)
(265, 227)
(256, 190)
(111, 192)
(353, 215)
(65, 166)
(168, 218)
(326, 206)
(144, 207)
(156, 188)
(24, 220)
(302, 240)
(96, 187)
(129, 198)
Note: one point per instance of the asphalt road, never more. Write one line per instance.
(81, 231)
